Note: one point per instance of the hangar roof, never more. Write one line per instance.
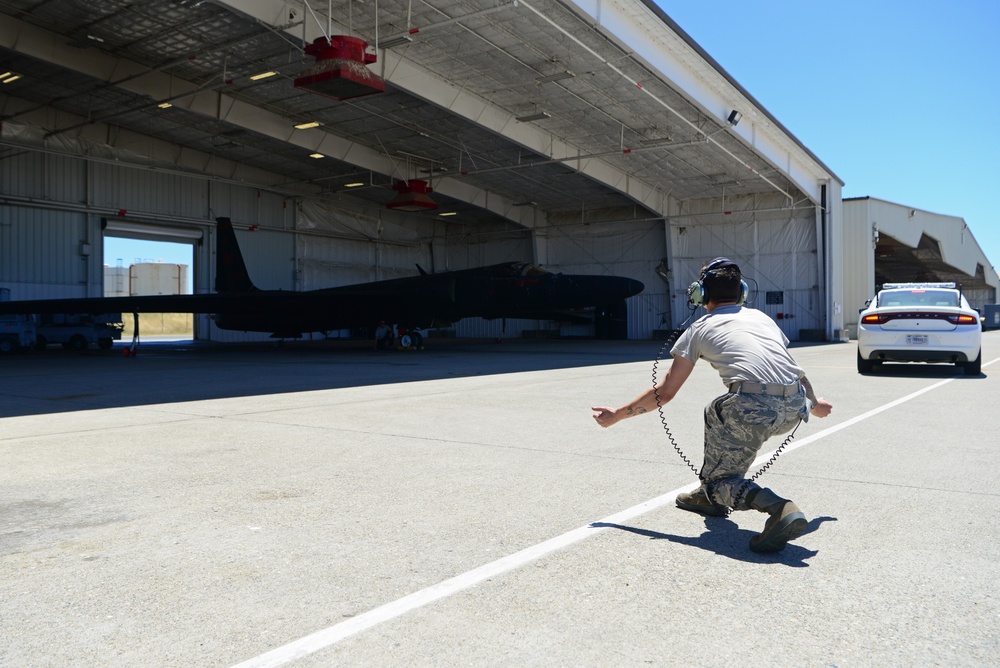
(512, 110)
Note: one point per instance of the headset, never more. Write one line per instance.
(698, 296)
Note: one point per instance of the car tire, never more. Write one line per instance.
(975, 367)
(865, 366)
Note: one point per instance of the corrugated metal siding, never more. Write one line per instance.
(150, 192)
(269, 256)
(23, 174)
(40, 253)
(859, 261)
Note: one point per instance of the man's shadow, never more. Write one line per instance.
(725, 538)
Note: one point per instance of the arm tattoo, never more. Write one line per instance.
(635, 411)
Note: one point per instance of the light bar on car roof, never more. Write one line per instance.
(888, 286)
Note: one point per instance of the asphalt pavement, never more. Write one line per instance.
(321, 504)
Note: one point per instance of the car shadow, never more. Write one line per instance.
(725, 538)
(920, 370)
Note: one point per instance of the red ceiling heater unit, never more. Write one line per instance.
(340, 70)
(412, 196)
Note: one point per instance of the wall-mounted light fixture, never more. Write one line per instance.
(734, 117)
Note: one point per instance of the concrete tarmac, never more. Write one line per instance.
(323, 504)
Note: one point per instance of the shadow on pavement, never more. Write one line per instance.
(725, 538)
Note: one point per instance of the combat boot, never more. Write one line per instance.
(698, 502)
(786, 521)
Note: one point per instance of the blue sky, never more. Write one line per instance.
(899, 99)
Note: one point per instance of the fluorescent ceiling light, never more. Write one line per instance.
(357, 184)
(660, 141)
(449, 213)
(533, 117)
(262, 75)
(316, 155)
(398, 40)
(164, 105)
(8, 79)
(306, 126)
(5, 75)
(558, 76)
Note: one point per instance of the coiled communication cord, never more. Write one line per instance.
(741, 492)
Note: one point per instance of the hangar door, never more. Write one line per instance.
(775, 246)
(123, 276)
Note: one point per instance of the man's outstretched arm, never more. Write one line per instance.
(666, 389)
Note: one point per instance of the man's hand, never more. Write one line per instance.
(821, 408)
(605, 416)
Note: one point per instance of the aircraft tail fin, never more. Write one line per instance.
(230, 272)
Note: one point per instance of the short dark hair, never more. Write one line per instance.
(723, 284)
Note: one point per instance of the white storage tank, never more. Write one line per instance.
(158, 278)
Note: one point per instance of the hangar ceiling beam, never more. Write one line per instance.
(139, 79)
(415, 81)
(640, 31)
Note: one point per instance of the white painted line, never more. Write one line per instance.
(334, 634)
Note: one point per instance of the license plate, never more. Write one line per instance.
(916, 338)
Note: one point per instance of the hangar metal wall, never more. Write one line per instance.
(776, 246)
(865, 218)
(621, 248)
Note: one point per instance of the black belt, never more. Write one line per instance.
(774, 389)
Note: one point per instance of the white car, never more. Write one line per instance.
(920, 322)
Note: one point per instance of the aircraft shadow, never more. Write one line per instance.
(725, 538)
(55, 380)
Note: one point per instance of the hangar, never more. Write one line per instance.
(895, 243)
(356, 140)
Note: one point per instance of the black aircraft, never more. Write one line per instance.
(510, 290)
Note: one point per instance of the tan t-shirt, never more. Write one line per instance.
(741, 344)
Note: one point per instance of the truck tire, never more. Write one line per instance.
(105, 343)
(7, 346)
(76, 342)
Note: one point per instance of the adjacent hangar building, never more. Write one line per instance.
(587, 137)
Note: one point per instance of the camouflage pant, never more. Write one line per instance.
(736, 426)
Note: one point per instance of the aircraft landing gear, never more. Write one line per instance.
(411, 340)
(132, 349)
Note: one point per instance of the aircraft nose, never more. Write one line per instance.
(594, 290)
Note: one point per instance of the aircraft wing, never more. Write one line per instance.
(204, 303)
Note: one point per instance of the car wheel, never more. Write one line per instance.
(864, 366)
(975, 367)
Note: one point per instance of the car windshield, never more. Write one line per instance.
(918, 297)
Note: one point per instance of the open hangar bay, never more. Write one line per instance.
(215, 505)
(356, 141)
(207, 505)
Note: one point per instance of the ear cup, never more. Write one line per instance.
(744, 291)
(696, 294)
